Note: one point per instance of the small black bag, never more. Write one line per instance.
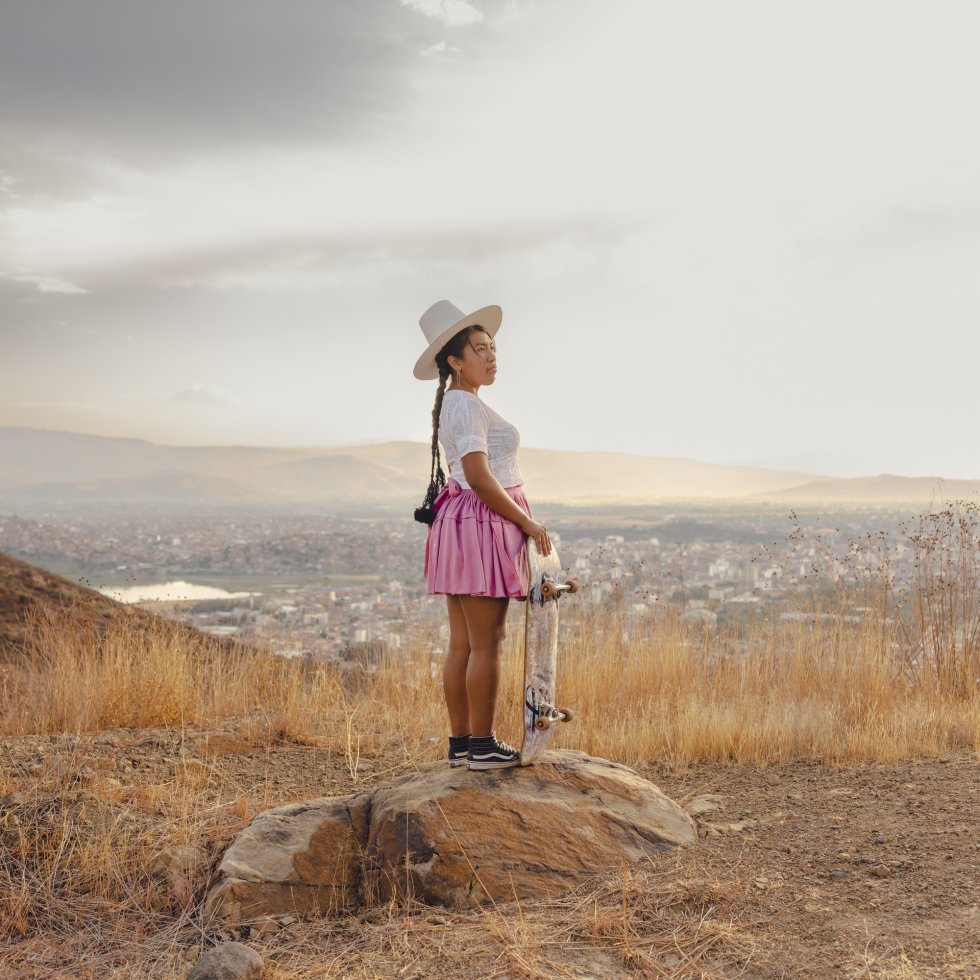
(426, 514)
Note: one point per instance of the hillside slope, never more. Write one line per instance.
(27, 591)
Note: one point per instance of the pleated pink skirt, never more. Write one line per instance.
(472, 550)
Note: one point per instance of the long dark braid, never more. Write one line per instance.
(426, 514)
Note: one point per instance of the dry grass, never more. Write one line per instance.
(673, 691)
(655, 689)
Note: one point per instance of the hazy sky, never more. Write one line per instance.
(735, 232)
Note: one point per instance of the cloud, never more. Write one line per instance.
(311, 261)
(62, 405)
(904, 231)
(439, 47)
(146, 81)
(455, 13)
(203, 394)
(52, 284)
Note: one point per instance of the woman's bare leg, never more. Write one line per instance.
(486, 620)
(454, 670)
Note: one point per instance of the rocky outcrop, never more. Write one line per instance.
(448, 837)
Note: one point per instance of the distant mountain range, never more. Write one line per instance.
(48, 469)
(884, 489)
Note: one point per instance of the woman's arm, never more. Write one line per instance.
(476, 471)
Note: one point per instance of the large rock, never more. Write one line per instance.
(449, 837)
(305, 858)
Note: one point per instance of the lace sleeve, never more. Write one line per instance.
(470, 426)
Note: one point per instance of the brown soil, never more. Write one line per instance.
(817, 870)
(871, 868)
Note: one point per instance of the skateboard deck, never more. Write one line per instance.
(541, 714)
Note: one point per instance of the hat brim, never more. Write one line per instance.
(488, 317)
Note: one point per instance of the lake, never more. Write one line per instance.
(170, 592)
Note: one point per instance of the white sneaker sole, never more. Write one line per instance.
(503, 764)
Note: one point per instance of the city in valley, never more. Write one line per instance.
(342, 588)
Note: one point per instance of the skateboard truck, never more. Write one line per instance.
(551, 589)
(547, 714)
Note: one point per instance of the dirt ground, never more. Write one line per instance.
(831, 871)
(853, 868)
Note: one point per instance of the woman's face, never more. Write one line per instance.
(478, 365)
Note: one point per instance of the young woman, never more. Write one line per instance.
(478, 523)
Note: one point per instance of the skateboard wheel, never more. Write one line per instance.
(568, 715)
(572, 584)
(542, 724)
(548, 590)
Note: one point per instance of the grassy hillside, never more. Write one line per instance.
(31, 597)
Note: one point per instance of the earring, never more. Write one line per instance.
(457, 379)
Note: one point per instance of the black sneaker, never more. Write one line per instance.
(459, 747)
(488, 753)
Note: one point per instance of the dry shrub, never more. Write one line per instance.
(941, 615)
(933, 619)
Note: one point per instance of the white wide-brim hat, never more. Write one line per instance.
(441, 322)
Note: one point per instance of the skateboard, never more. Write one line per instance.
(541, 714)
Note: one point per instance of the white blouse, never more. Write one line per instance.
(467, 425)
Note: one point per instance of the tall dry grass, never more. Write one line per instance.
(665, 689)
(654, 688)
(903, 681)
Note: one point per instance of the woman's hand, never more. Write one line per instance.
(540, 534)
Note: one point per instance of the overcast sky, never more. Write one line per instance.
(734, 232)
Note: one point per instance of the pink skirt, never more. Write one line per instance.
(472, 550)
